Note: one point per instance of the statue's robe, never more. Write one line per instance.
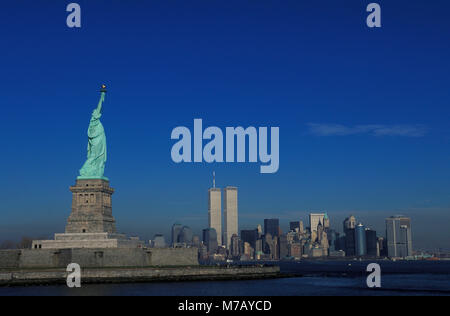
(96, 151)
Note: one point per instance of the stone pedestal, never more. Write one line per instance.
(90, 224)
(91, 207)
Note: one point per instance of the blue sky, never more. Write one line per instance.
(363, 113)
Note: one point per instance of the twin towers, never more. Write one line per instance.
(230, 206)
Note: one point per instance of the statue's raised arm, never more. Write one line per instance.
(98, 111)
(100, 102)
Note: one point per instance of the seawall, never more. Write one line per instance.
(97, 258)
(132, 275)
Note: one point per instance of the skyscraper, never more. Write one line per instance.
(158, 241)
(176, 230)
(349, 239)
(314, 220)
(294, 225)
(333, 238)
(372, 243)
(250, 236)
(235, 246)
(350, 223)
(215, 211)
(360, 240)
(271, 226)
(398, 235)
(283, 250)
(230, 214)
(186, 236)
(210, 240)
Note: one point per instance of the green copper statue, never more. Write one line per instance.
(94, 166)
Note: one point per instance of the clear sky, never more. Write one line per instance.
(363, 113)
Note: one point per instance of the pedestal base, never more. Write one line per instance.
(88, 240)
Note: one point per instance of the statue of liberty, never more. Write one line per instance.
(94, 166)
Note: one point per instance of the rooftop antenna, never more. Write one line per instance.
(214, 179)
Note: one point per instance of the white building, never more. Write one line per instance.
(230, 214)
(215, 212)
(314, 219)
(398, 233)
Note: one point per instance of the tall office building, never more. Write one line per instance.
(372, 243)
(186, 236)
(158, 241)
(398, 235)
(314, 220)
(382, 246)
(210, 240)
(283, 250)
(235, 246)
(196, 241)
(293, 226)
(349, 239)
(333, 238)
(230, 199)
(360, 240)
(215, 210)
(272, 227)
(350, 223)
(176, 230)
(250, 236)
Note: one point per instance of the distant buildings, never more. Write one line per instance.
(360, 240)
(295, 250)
(316, 241)
(398, 235)
(158, 241)
(235, 246)
(250, 236)
(283, 247)
(272, 227)
(314, 220)
(293, 226)
(349, 231)
(373, 249)
(176, 230)
(210, 240)
(186, 236)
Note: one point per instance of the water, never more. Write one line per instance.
(318, 278)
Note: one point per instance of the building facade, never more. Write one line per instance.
(272, 227)
(215, 212)
(360, 240)
(399, 237)
(230, 214)
(314, 220)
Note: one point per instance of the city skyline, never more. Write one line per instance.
(319, 239)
